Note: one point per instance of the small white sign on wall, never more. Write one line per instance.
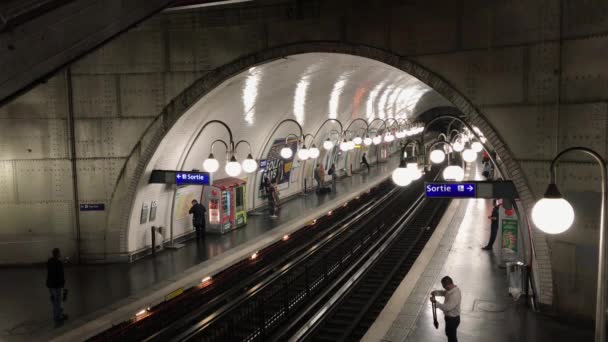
(152, 211)
(144, 213)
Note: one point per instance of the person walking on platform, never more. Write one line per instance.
(493, 226)
(319, 174)
(198, 218)
(450, 306)
(55, 282)
(364, 161)
(488, 171)
(266, 186)
(332, 173)
(273, 200)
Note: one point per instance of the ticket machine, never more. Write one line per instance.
(225, 201)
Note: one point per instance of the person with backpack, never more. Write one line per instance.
(198, 218)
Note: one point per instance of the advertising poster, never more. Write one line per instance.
(509, 234)
(183, 201)
(278, 169)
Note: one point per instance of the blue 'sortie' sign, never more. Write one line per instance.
(450, 190)
(194, 178)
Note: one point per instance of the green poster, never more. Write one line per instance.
(509, 234)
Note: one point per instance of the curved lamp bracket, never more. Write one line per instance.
(324, 123)
(219, 141)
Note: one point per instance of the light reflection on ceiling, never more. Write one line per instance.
(382, 103)
(334, 98)
(250, 94)
(299, 96)
(409, 97)
(371, 113)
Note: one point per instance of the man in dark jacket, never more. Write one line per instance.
(55, 281)
(493, 226)
(332, 173)
(198, 218)
(364, 161)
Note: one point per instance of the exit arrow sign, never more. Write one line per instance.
(450, 190)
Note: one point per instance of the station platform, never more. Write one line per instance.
(488, 313)
(103, 295)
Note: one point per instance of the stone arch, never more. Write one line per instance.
(125, 188)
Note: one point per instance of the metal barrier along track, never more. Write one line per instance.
(354, 308)
(239, 278)
(269, 305)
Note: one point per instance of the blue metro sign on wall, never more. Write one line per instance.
(193, 178)
(450, 190)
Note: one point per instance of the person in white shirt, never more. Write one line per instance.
(450, 306)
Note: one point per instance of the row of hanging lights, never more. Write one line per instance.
(409, 170)
(233, 168)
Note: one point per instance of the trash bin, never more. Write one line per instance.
(516, 275)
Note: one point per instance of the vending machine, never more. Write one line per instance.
(225, 201)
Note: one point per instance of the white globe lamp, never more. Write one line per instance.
(367, 141)
(414, 171)
(458, 146)
(344, 146)
(328, 145)
(553, 214)
(313, 152)
(211, 164)
(351, 145)
(401, 176)
(357, 140)
(233, 168)
(377, 140)
(453, 173)
(286, 153)
(477, 147)
(249, 164)
(469, 155)
(437, 156)
(303, 154)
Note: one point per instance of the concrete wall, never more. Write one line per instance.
(512, 60)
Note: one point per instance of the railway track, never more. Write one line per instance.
(358, 304)
(208, 298)
(315, 292)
